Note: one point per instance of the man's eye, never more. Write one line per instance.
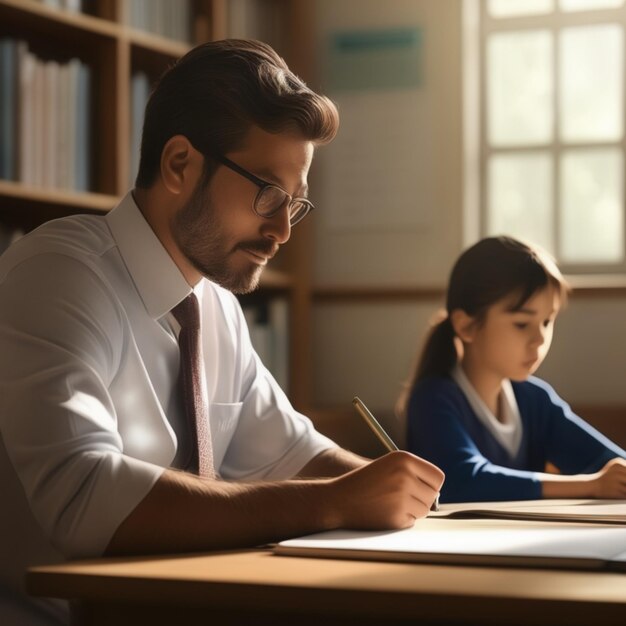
(521, 325)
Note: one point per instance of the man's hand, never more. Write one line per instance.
(390, 492)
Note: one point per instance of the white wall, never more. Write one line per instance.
(587, 362)
(368, 348)
(420, 254)
(369, 351)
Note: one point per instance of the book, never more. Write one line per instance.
(39, 107)
(139, 94)
(65, 123)
(167, 18)
(49, 137)
(26, 118)
(488, 542)
(588, 511)
(73, 71)
(51, 121)
(260, 331)
(250, 19)
(74, 6)
(278, 313)
(8, 99)
(268, 324)
(82, 163)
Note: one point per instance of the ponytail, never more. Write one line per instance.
(438, 358)
(439, 355)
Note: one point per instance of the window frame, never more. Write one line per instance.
(480, 25)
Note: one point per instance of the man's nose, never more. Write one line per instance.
(278, 227)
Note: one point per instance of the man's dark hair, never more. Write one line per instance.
(217, 91)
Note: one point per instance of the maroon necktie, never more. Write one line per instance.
(193, 385)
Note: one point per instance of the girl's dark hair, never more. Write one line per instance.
(492, 269)
(217, 91)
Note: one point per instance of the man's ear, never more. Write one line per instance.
(181, 164)
(464, 325)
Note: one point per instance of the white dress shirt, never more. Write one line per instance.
(89, 414)
(507, 432)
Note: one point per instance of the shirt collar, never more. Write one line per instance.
(157, 278)
(509, 432)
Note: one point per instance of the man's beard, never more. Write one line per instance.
(198, 235)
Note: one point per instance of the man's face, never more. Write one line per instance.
(217, 230)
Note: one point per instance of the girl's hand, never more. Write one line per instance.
(610, 481)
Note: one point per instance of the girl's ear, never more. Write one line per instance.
(464, 325)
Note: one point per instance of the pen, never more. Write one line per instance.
(379, 431)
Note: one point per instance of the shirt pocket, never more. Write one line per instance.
(224, 418)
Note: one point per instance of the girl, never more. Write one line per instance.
(473, 407)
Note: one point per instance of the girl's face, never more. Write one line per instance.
(513, 344)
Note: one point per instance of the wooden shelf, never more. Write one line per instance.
(96, 202)
(25, 207)
(603, 285)
(599, 285)
(386, 294)
(154, 43)
(35, 16)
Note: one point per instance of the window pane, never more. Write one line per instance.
(510, 8)
(519, 88)
(520, 197)
(591, 83)
(588, 5)
(592, 228)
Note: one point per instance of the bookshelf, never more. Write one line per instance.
(102, 37)
(111, 50)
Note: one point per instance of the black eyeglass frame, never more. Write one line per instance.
(263, 185)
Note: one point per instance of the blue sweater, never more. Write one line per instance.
(443, 428)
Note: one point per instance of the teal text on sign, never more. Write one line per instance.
(375, 59)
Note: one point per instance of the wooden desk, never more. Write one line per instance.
(256, 587)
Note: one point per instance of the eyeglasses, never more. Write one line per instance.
(270, 198)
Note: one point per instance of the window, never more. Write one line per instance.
(551, 142)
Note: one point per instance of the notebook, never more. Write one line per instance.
(475, 542)
(588, 511)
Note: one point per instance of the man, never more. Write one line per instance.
(99, 455)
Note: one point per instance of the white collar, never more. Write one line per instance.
(157, 278)
(508, 432)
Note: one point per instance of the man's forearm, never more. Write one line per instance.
(183, 513)
(219, 514)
